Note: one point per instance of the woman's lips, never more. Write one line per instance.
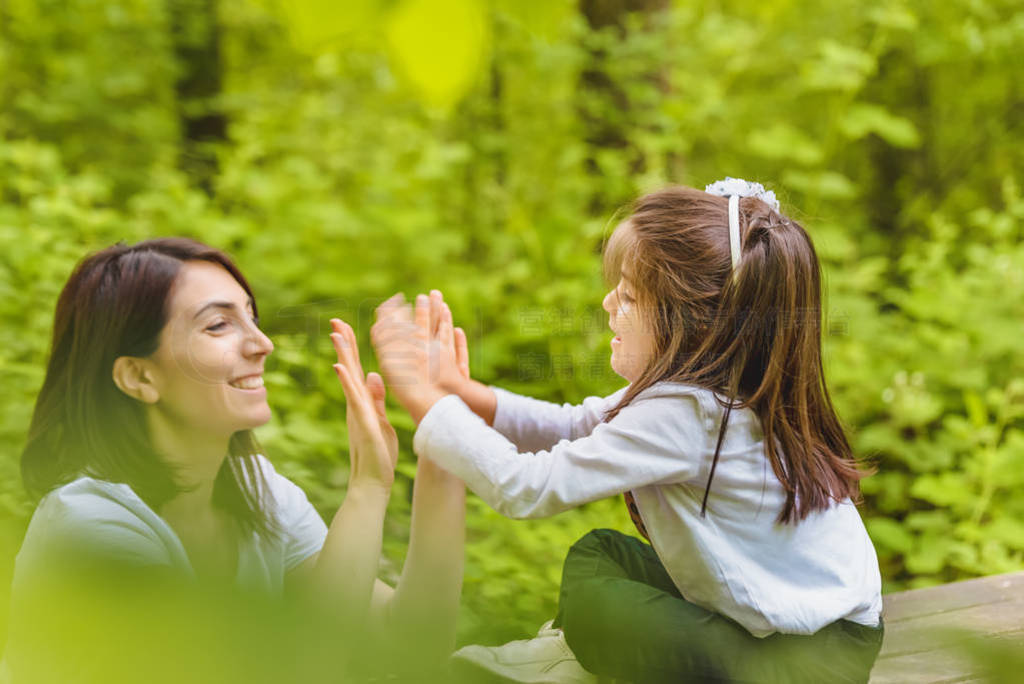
(249, 382)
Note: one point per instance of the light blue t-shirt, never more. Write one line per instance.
(110, 520)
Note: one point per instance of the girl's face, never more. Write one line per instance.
(633, 344)
(208, 369)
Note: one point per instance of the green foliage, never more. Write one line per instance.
(488, 160)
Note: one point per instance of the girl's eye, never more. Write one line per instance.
(219, 325)
(625, 297)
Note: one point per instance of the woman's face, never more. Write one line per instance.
(208, 368)
(633, 345)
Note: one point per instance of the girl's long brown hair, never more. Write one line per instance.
(751, 334)
(115, 304)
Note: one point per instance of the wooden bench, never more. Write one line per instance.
(928, 632)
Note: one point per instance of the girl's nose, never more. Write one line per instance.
(609, 301)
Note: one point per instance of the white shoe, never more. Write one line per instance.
(545, 659)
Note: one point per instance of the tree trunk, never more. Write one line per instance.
(196, 32)
(598, 86)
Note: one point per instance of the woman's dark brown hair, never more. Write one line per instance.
(116, 304)
(751, 334)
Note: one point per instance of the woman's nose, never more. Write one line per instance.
(258, 344)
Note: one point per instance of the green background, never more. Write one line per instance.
(343, 151)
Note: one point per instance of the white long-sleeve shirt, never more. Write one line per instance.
(541, 458)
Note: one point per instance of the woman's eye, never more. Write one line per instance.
(219, 325)
(625, 297)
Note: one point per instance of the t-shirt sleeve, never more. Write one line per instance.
(303, 530)
(533, 424)
(652, 441)
(84, 522)
(88, 544)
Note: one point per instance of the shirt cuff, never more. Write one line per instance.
(504, 412)
(439, 419)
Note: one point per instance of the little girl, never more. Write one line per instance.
(725, 445)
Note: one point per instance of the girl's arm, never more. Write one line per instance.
(658, 440)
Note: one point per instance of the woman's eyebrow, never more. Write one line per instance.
(219, 304)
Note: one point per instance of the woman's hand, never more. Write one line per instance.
(417, 351)
(373, 444)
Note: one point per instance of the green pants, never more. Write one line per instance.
(624, 618)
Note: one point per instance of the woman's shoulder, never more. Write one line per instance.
(281, 489)
(93, 516)
(302, 527)
(288, 499)
(91, 498)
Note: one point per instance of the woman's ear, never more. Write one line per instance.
(132, 377)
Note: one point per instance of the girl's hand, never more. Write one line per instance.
(461, 345)
(479, 397)
(373, 444)
(417, 351)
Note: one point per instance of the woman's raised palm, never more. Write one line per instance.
(373, 444)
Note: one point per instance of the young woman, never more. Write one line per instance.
(725, 445)
(142, 450)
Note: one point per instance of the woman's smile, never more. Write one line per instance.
(249, 383)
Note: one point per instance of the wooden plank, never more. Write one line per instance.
(936, 667)
(927, 631)
(936, 630)
(952, 663)
(979, 591)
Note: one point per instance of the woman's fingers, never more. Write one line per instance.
(375, 384)
(340, 347)
(345, 346)
(353, 345)
(346, 382)
(354, 392)
(461, 352)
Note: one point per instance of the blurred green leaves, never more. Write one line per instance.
(438, 46)
(861, 119)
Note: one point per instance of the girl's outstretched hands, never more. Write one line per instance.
(419, 351)
(461, 347)
(373, 443)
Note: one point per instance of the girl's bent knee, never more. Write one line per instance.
(598, 539)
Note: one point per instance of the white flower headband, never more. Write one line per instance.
(734, 188)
